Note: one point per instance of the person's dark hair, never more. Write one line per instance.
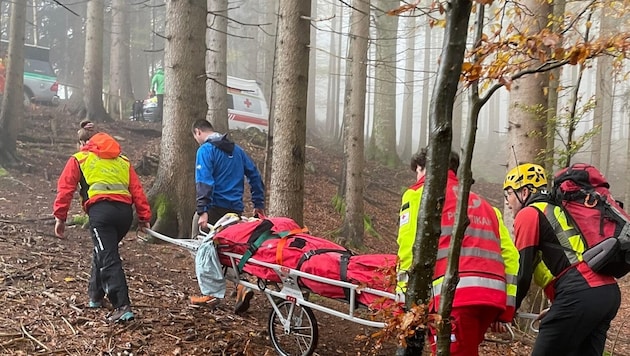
(420, 160)
(86, 131)
(203, 125)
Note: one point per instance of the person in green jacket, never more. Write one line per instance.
(157, 88)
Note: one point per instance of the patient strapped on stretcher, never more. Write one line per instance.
(283, 242)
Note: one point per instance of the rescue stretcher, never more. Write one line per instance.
(291, 325)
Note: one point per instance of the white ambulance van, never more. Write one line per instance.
(247, 106)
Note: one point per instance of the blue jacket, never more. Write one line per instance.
(220, 171)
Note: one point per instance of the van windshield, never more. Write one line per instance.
(244, 103)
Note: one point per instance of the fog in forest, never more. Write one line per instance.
(250, 55)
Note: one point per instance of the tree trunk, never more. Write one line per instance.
(216, 64)
(334, 65)
(93, 67)
(554, 85)
(172, 196)
(384, 133)
(286, 193)
(527, 118)
(337, 97)
(120, 90)
(603, 114)
(429, 218)
(527, 94)
(406, 128)
(72, 72)
(354, 123)
(311, 118)
(451, 276)
(458, 116)
(424, 117)
(12, 110)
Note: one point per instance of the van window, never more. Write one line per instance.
(244, 103)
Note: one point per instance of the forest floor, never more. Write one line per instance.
(43, 279)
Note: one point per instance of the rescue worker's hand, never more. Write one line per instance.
(203, 221)
(60, 228)
(143, 225)
(259, 213)
(499, 327)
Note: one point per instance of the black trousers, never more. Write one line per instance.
(109, 223)
(577, 322)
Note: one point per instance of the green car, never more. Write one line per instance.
(40, 81)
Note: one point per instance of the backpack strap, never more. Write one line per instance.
(561, 235)
(260, 234)
(311, 253)
(343, 273)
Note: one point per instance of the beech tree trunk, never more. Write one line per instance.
(172, 196)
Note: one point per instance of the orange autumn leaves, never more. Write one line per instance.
(501, 59)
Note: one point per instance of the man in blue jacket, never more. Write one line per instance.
(220, 170)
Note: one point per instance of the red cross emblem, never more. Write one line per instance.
(247, 103)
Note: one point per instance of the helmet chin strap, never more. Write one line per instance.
(518, 197)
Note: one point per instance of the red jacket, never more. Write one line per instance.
(483, 268)
(104, 146)
(480, 262)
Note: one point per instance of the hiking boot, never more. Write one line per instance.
(93, 304)
(203, 299)
(243, 297)
(120, 314)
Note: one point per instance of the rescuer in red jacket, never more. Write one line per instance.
(488, 262)
(108, 187)
(584, 302)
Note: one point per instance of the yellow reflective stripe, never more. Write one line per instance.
(472, 252)
(568, 237)
(511, 299)
(511, 279)
(402, 278)
(470, 281)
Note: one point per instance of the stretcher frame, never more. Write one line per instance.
(291, 316)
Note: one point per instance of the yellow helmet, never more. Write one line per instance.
(524, 175)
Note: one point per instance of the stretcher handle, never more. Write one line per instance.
(534, 325)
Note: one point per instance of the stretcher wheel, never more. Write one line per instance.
(293, 331)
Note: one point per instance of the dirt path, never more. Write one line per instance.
(43, 280)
